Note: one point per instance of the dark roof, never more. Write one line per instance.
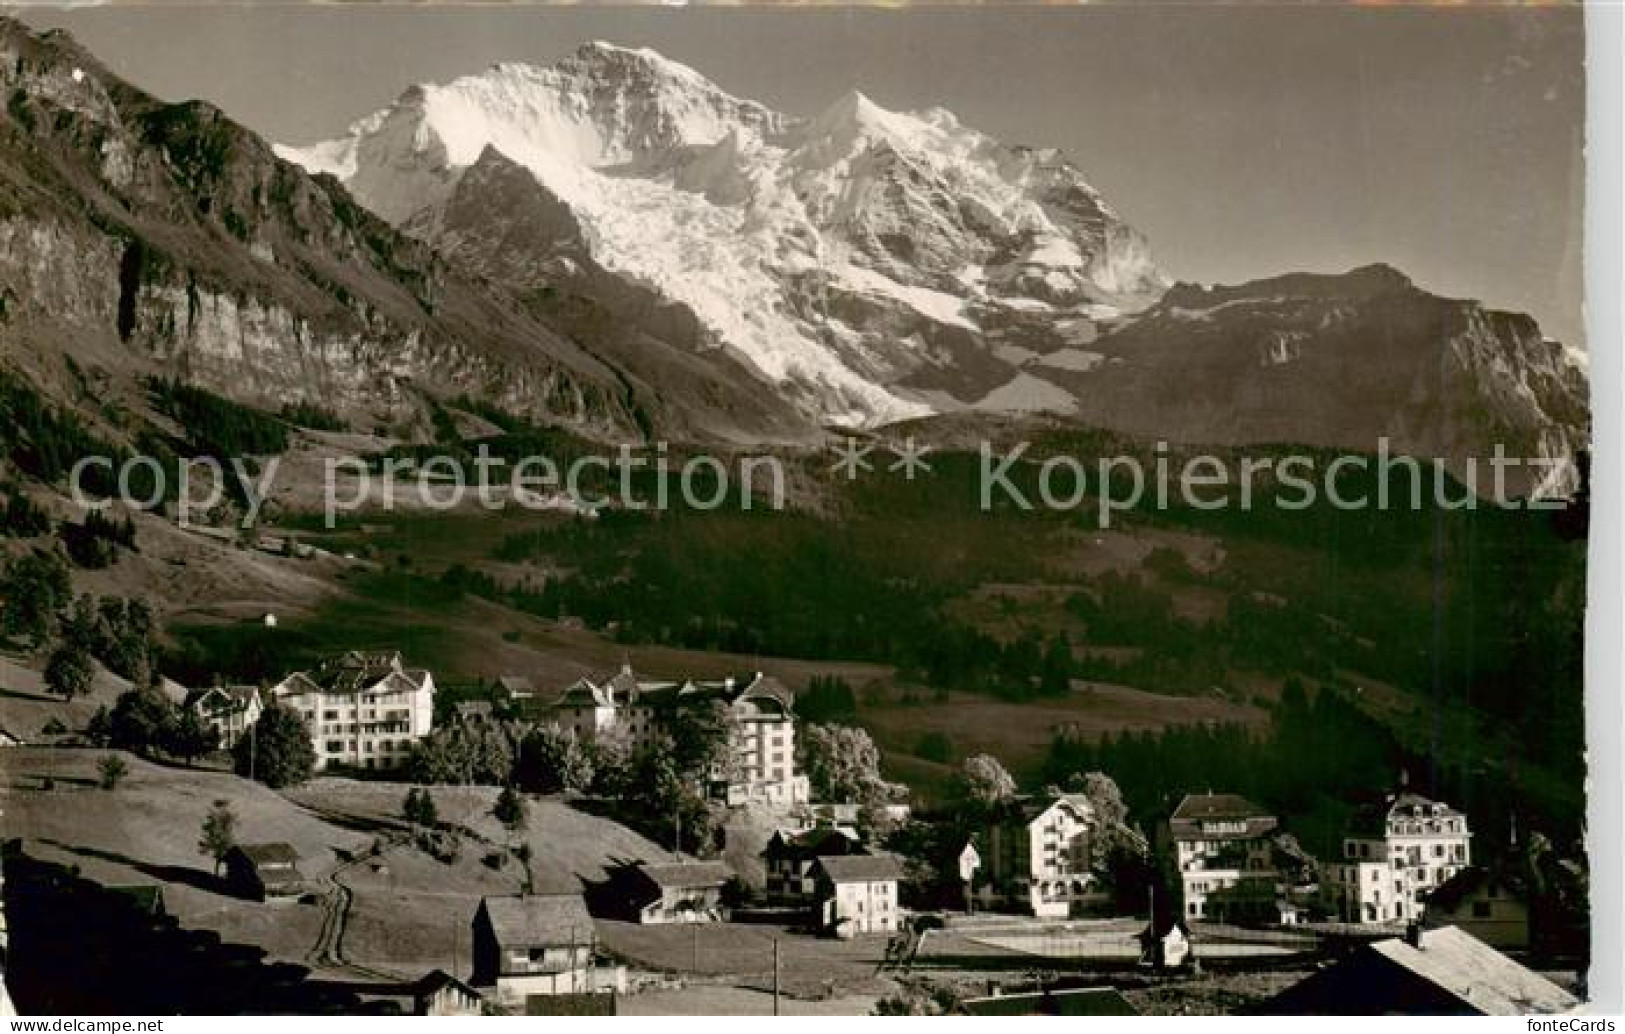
(1196, 809)
(1372, 820)
(539, 920)
(435, 980)
(861, 868)
(148, 897)
(357, 670)
(1198, 806)
(813, 843)
(1451, 893)
(674, 875)
(261, 854)
(1079, 1001)
(222, 699)
(1031, 807)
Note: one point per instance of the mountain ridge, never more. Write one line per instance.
(709, 270)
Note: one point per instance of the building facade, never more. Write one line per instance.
(1222, 847)
(363, 709)
(764, 739)
(1038, 855)
(228, 710)
(858, 894)
(791, 853)
(1489, 905)
(539, 944)
(264, 871)
(674, 892)
(1394, 855)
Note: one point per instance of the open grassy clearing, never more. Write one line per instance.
(976, 724)
(146, 832)
(809, 967)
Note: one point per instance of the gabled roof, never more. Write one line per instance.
(1032, 808)
(1217, 806)
(356, 672)
(539, 920)
(221, 700)
(1481, 977)
(767, 687)
(173, 691)
(583, 692)
(814, 842)
(1197, 809)
(1373, 819)
(438, 979)
(1463, 885)
(517, 685)
(273, 853)
(860, 868)
(680, 875)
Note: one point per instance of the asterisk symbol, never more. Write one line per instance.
(850, 458)
(910, 458)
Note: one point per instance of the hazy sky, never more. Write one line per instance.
(1244, 141)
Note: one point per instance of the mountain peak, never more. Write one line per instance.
(853, 113)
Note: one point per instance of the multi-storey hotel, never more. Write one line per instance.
(1223, 849)
(764, 726)
(363, 709)
(1038, 853)
(1395, 855)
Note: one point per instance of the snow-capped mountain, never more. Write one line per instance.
(874, 265)
(616, 246)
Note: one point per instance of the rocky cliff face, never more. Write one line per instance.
(617, 245)
(1338, 361)
(166, 238)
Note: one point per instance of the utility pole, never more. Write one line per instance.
(775, 976)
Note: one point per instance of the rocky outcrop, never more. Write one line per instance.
(170, 239)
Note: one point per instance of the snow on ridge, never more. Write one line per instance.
(719, 203)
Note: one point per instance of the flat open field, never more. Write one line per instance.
(742, 954)
(724, 1000)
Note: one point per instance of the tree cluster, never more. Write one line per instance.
(95, 542)
(276, 750)
(145, 722)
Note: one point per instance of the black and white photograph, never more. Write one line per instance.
(676, 509)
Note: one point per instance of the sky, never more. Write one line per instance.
(1244, 141)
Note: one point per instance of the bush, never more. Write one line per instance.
(95, 543)
(112, 770)
(21, 517)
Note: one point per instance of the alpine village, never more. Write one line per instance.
(879, 750)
